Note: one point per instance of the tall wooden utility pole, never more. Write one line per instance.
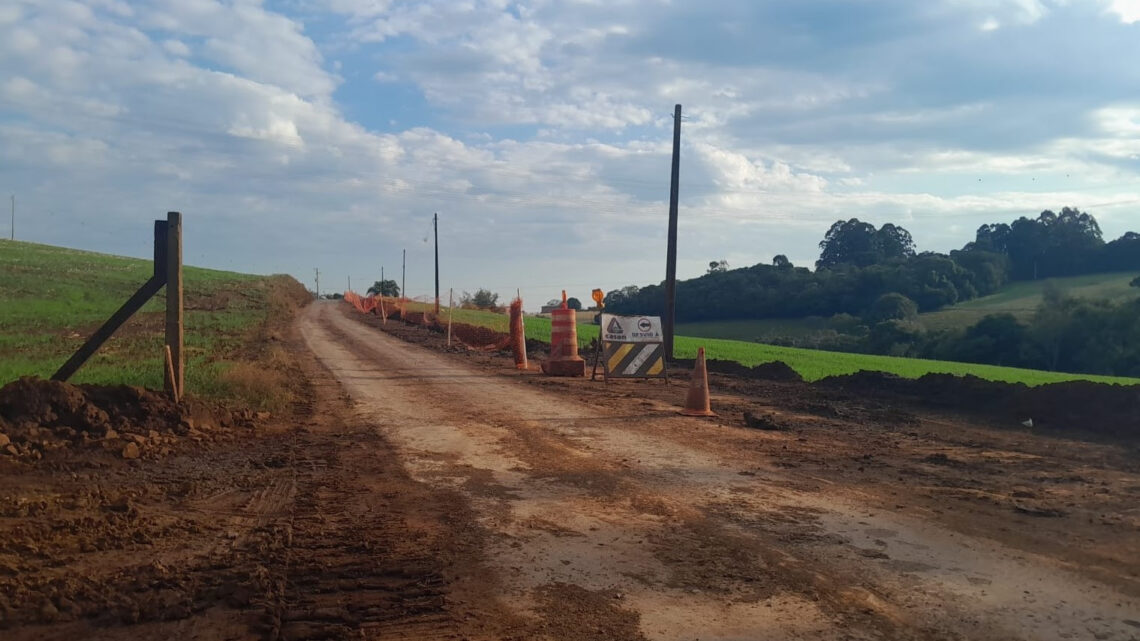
(435, 228)
(318, 274)
(174, 303)
(671, 253)
(404, 275)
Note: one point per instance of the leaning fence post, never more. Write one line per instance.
(450, 313)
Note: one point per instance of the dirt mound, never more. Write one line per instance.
(477, 337)
(38, 416)
(1108, 410)
(773, 371)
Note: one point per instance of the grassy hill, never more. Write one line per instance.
(1021, 299)
(811, 364)
(52, 299)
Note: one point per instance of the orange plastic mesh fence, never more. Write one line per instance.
(517, 335)
(417, 312)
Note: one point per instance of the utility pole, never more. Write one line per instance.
(404, 275)
(671, 252)
(318, 274)
(435, 228)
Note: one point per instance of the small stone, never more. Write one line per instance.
(4, 440)
(110, 435)
(131, 451)
(11, 450)
(262, 416)
(137, 438)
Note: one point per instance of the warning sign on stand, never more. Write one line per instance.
(631, 347)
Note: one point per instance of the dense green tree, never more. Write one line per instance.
(1053, 244)
(848, 242)
(998, 339)
(854, 242)
(481, 299)
(892, 306)
(384, 288)
(574, 303)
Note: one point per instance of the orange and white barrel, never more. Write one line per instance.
(564, 335)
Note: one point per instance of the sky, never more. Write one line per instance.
(324, 134)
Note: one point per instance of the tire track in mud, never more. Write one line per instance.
(341, 561)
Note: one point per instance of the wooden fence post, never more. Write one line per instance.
(175, 375)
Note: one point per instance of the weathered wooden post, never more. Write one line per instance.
(174, 308)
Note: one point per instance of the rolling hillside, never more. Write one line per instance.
(1022, 298)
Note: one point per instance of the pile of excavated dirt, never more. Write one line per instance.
(774, 371)
(479, 337)
(38, 416)
(1096, 408)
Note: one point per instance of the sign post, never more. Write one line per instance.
(631, 347)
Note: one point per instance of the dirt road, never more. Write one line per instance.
(611, 517)
(416, 492)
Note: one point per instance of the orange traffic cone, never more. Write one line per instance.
(697, 401)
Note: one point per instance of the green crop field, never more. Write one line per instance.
(52, 299)
(1021, 299)
(811, 364)
(759, 330)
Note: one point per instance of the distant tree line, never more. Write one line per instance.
(871, 283)
(859, 263)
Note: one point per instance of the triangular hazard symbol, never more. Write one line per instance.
(614, 327)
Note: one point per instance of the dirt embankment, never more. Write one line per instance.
(38, 417)
(1096, 409)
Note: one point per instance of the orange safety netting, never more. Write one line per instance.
(418, 312)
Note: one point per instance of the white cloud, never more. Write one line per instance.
(1127, 10)
(543, 124)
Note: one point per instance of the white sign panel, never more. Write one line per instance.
(631, 329)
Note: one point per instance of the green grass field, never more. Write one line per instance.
(1021, 299)
(811, 364)
(52, 299)
(757, 331)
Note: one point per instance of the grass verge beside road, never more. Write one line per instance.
(811, 364)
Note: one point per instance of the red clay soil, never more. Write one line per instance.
(226, 526)
(38, 417)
